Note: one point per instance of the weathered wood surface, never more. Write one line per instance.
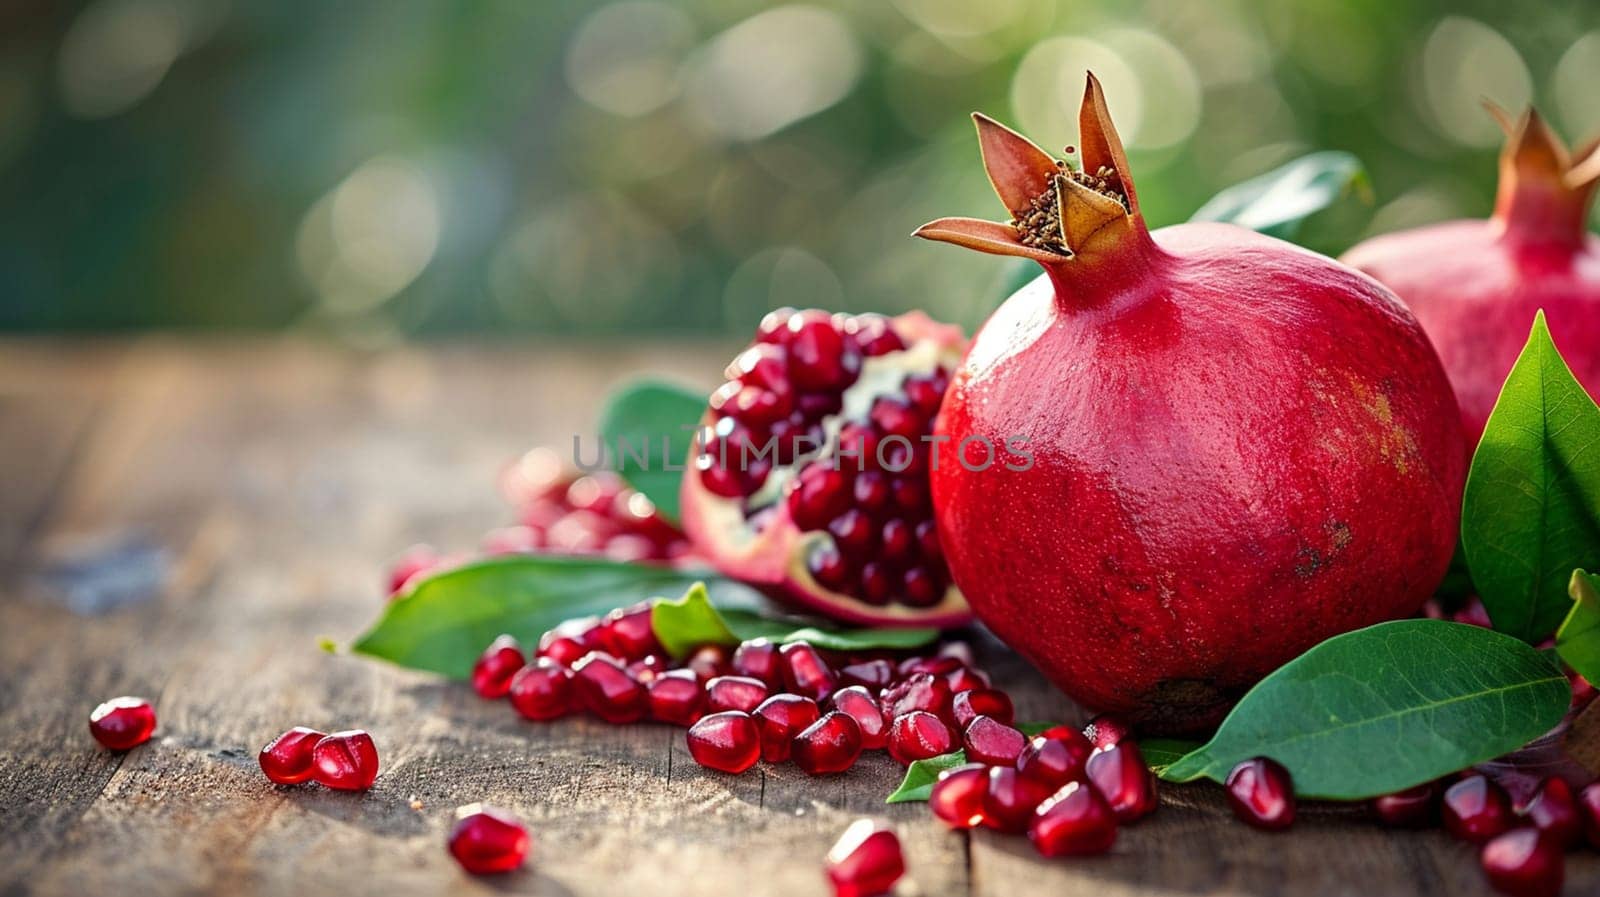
(268, 483)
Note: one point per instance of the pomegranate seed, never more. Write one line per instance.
(923, 691)
(1416, 807)
(1122, 778)
(993, 743)
(829, 745)
(1553, 812)
(1011, 799)
(568, 642)
(1476, 809)
(871, 489)
(924, 394)
(805, 673)
(874, 675)
(287, 759)
(709, 661)
(628, 634)
(859, 704)
(780, 718)
(917, 736)
(758, 659)
(1055, 757)
(122, 723)
(965, 679)
(486, 840)
(774, 327)
(413, 564)
(1106, 730)
(1589, 809)
(865, 861)
(726, 742)
(606, 690)
(829, 567)
(957, 797)
(1524, 863)
(1074, 821)
(676, 697)
(346, 761)
(897, 541)
(922, 587)
(820, 494)
(893, 417)
(910, 492)
(820, 358)
(927, 533)
(491, 675)
(542, 690)
(1261, 793)
(853, 532)
(734, 693)
(647, 668)
(967, 706)
(940, 665)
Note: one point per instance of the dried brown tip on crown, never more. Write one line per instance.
(1039, 225)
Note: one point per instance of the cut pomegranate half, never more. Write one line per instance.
(811, 477)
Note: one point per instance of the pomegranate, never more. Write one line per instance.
(860, 705)
(967, 706)
(563, 512)
(726, 741)
(779, 719)
(865, 861)
(606, 690)
(811, 477)
(734, 693)
(805, 673)
(1475, 285)
(1073, 822)
(1199, 419)
(957, 796)
(1589, 810)
(543, 690)
(1054, 758)
(287, 759)
(487, 840)
(918, 736)
(1415, 807)
(1120, 775)
(1011, 799)
(676, 697)
(758, 659)
(829, 745)
(1524, 863)
(1261, 793)
(491, 675)
(992, 742)
(1476, 809)
(345, 761)
(1553, 811)
(122, 723)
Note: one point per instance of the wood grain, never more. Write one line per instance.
(269, 482)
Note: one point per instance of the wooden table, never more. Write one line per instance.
(261, 486)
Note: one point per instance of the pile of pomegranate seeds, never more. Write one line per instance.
(123, 723)
(343, 761)
(486, 840)
(869, 489)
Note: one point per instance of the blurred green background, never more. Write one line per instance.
(386, 170)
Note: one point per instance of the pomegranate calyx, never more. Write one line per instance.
(1544, 193)
(1018, 169)
(987, 236)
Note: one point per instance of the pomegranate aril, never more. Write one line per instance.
(922, 691)
(1106, 730)
(1476, 809)
(411, 565)
(873, 334)
(938, 665)
(1416, 807)
(1553, 811)
(764, 365)
(820, 358)
(346, 761)
(829, 567)
(957, 797)
(921, 587)
(919, 735)
(898, 541)
(805, 673)
(893, 417)
(924, 394)
(1589, 809)
(647, 668)
(1120, 775)
(726, 742)
(628, 634)
(877, 583)
(122, 723)
(1074, 821)
(993, 743)
(863, 708)
(491, 674)
(1524, 863)
(966, 679)
(870, 487)
(779, 719)
(606, 690)
(568, 642)
(829, 745)
(853, 532)
(758, 659)
(287, 759)
(740, 693)
(1011, 799)
(542, 690)
(1261, 793)
(774, 326)
(709, 661)
(874, 675)
(927, 533)
(677, 697)
(1055, 757)
(820, 494)
(485, 840)
(967, 706)
(910, 493)
(866, 860)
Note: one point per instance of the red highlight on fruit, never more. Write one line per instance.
(486, 840)
(866, 861)
(123, 723)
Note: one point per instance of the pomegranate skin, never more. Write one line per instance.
(1475, 285)
(1238, 448)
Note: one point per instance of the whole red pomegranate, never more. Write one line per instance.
(810, 479)
(1239, 447)
(1475, 285)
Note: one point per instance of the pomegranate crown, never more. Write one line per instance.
(1057, 213)
(1545, 191)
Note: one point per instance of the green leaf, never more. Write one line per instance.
(920, 776)
(1278, 203)
(1160, 753)
(1578, 639)
(443, 624)
(1531, 514)
(1388, 707)
(652, 422)
(686, 623)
